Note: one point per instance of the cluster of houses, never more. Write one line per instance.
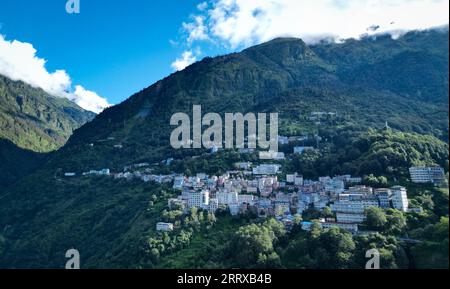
(259, 190)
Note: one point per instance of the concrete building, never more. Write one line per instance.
(384, 196)
(227, 198)
(399, 198)
(266, 169)
(298, 180)
(421, 175)
(198, 199)
(247, 199)
(213, 205)
(350, 217)
(164, 227)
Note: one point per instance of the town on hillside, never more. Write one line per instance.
(261, 190)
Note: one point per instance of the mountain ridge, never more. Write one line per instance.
(33, 119)
(353, 71)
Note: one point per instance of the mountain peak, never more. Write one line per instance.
(283, 41)
(282, 50)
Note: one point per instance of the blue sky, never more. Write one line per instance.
(111, 48)
(115, 48)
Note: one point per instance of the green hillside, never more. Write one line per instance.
(289, 77)
(364, 84)
(35, 120)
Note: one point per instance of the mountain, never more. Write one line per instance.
(365, 83)
(16, 163)
(34, 120)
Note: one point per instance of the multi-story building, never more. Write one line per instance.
(198, 199)
(354, 203)
(227, 198)
(298, 180)
(361, 190)
(266, 169)
(213, 205)
(384, 196)
(434, 175)
(246, 199)
(399, 198)
(350, 217)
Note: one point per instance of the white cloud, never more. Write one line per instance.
(197, 29)
(186, 59)
(240, 23)
(18, 61)
(202, 6)
(88, 99)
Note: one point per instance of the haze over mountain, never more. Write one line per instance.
(366, 83)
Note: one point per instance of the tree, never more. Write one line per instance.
(334, 249)
(327, 213)
(375, 218)
(154, 255)
(298, 219)
(392, 255)
(249, 243)
(396, 222)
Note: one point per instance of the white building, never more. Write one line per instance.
(266, 169)
(198, 199)
(361, 190)
(247, 199)
(399, 198)
(290, 178)
(271, 155)
(213, 205)
(350, 217)
(164, 227)
(227, 198)
(434, 175)
(384, 196)
(334, 185)
(178, 183)
(298, 180)
(353, 206)
(244, 165)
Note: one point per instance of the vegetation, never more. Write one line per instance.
(112, 222)
(35, 120)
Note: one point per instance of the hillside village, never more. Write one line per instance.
(262, 189)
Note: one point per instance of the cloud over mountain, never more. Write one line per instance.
(19, 61)
(241, 23)
(186, 59)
